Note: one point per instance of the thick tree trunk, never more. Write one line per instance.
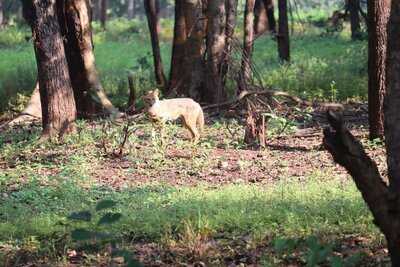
(56, 94)
(103, 13)
(178, 49)
(264, 18)
(392, 99)
(283, 34)
(216, 44)
(193, 76)
(152, 10)
(131, 9)
(378, 15)
(353, 6)
(247, 45)
(89, 93)
(75, 20)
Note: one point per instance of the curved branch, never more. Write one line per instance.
(349, 153)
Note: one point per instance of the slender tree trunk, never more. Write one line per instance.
(283, 35)
(247, 44)
(152, 11)
(264, 19)
(378, 15)
(96, 7)
(56, 94)
(216, 44)
(231, 14)
(354, 9)
(75, 20)
(131, 9)
(103, 13)
(178, 49)
(1, 13)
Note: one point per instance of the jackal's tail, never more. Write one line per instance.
(200, 120)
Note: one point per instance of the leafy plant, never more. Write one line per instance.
(90, 231)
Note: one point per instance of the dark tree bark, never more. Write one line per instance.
(392, 98)
(216, 43)
(56, 94)
(353, 6)
(131, 9)
(378, 15)
(152, 11)
(178, 49)
(231, 14)
(96, 9)
(247, 44)
(383, 200)
(283, 34)
(264, 18)
(201, 48)
(75, 20)
(193, 75)
(103, 13)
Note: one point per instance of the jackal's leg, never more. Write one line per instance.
(190, 124)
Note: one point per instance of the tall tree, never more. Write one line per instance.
(193, 75)
(56, 93)
(178, 48)
(131, 9)
(378, 15)
(96, 9)
(152, 12)
(353, 7)
(231, 14)
(1, 13)
(383, 200)
(264, 19)
(75, 21)
(247, 44)
(216, 44)
(103, 13)
(283, 34)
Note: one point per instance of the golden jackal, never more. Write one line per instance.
(187, 109)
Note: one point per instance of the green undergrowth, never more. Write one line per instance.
(42, 183)
(288, 209)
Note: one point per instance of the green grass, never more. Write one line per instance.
(44, 183)
(289, 209)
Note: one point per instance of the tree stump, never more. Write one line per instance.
(255, 127)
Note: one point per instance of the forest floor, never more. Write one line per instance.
(219, 203)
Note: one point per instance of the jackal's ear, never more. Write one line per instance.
(156, 92)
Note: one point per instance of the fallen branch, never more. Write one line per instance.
(272, 93)
(349, 153)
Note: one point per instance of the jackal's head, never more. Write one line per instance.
(150, 98)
